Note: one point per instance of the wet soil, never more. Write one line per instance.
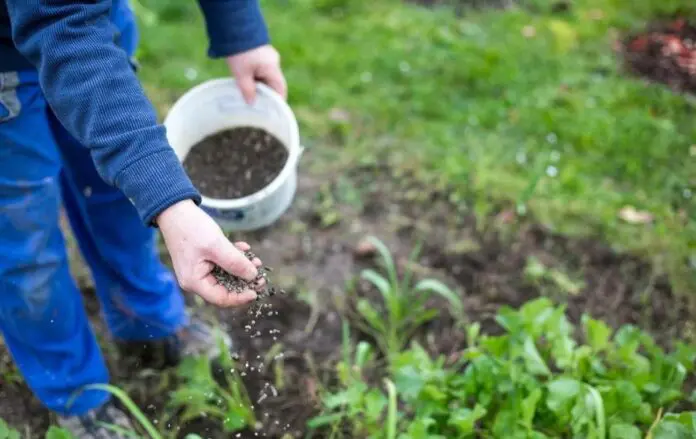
(665, 52)
(289, 348)
(235, 163)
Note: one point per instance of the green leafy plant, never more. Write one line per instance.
(536, 380)
(200, 392)
(7, 432)
(366, 408)
(403, 302)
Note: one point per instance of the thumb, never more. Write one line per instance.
(247, 86)
(230, 259)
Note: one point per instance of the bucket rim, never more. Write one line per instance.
(294, 148)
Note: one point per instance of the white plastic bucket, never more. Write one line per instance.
(217, 105)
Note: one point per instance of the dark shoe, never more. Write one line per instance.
(196, 339)
(95, 424)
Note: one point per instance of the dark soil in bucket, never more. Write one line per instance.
(235, 163)
(665, 53)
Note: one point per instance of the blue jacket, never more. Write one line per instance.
(90, 85)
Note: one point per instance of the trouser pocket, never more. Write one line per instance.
(10, 105)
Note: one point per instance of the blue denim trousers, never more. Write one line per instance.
(42, 318)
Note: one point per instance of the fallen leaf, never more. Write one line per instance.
(633, 216)
(528, 31)
(596, 14)
(339, 115)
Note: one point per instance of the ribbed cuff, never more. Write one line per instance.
(234, 26)
(155, 182)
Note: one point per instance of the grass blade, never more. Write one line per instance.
(132, 407)
(391, 409)
(439, 288)
(599, 412)
(387, 260)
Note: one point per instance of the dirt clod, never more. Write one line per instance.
(235, 163)
(365, 249)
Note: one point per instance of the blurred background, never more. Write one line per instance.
(540, 155)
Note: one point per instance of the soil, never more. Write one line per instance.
(235, 163)
(289, 346)
(664, 53)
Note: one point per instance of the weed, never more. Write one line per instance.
(200, 393)
(404, 302)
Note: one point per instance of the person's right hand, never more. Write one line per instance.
(195, 242)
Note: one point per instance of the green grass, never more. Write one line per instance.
(547, 123)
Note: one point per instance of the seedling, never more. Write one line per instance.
(404, 309)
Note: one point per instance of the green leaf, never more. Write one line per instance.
(380, 282)
(363, 354)
(597, 333)
(320, 421)
(562, 395)
(687, 419)
(387, 260)
(370, 314)
(409, 382)
(671, 430)
(233, 422)
(52, 433)
(420, 428)
(532, 359)
(624, 431)
(374, 402)
(464, 419)
(529, 406)
(437, 287)
(7, 432)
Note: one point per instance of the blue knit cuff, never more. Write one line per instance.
(155, 182)
(234, 26)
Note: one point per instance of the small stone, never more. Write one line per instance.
(365, 248)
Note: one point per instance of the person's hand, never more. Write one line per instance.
(195, 242)
(259, 64)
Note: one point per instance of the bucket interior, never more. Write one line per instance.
(218, 109)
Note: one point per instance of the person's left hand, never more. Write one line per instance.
(259, 64)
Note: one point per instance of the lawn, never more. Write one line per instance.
(547, 122)
(550, 193)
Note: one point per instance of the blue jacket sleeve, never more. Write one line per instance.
(234, 26)
(91, 87)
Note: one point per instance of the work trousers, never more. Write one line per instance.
(42, 318)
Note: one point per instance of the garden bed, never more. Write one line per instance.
(665, 52)
(289, 347)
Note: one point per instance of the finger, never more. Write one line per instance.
(230, 259)
(257, 262)
(273, 77)
(219, 296)
(247, 86)
(242, 246)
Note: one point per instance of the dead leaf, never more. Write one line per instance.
(596, 14)
(339, 115)
(528, 31)
(633, 216)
